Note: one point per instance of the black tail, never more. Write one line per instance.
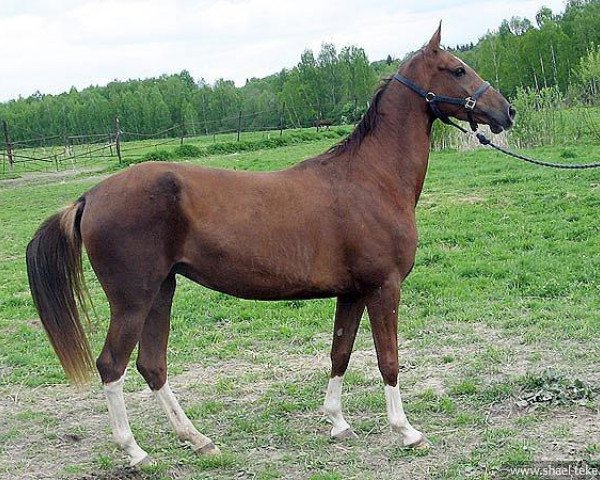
(56, 281)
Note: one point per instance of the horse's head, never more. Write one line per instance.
(453, 89)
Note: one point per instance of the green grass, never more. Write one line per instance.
(506, 283)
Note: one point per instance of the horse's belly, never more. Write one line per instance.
(258, 283)
(258, 268)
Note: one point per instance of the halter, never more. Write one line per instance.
(432, 99)
(469, 104)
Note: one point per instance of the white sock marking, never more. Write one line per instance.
(119, 423)
(182, 425)
(397, 417)
(333, 406)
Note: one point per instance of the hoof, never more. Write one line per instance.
(347, 434)
(420, 444)
(208, 449)
(147, 460)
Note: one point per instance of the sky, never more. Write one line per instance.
(51, 45)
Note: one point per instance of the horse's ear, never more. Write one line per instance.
(434, 43)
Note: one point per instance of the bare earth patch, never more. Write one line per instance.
(56, 431)
(48, 178)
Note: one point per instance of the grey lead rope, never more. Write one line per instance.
(569, 166)
(486, 141)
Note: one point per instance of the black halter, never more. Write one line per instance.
(432, 99)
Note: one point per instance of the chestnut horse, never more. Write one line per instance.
(340, 225)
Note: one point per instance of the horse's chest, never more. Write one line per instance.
(379, 252)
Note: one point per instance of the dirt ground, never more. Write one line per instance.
(55, 431)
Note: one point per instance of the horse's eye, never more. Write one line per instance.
(459, 72)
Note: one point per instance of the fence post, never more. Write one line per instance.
(118, 139)
(239, 129)
(8, 145)
(182, 134)
(282, 120)
(110, 145)
(66, 146)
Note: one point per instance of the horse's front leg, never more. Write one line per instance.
(348, 312)
(382, 306)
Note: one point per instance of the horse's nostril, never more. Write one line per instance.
(511, 112)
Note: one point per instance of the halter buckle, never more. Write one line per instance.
(470, 103)
(429, 97)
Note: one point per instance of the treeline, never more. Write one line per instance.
(330, 86)
(551, 51)
(558, 51)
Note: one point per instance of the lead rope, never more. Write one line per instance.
(569, 166)
(486, 141)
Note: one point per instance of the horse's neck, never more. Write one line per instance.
(397, 151)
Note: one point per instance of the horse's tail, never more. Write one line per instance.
(56, 280)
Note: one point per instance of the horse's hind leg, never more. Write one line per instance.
(152, 364)
(123, 335)
(348, 312)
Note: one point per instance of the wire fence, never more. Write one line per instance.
(45, 153)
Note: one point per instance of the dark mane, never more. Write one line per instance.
(366, 125)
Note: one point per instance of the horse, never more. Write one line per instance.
(323, 122)
(341, 224)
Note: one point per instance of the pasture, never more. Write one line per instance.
(499, 346)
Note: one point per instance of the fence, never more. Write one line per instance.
(47, 153)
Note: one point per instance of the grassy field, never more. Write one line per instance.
(499, 344)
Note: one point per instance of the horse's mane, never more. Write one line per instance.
(366, 125)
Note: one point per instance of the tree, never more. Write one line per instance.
(543, 16)
(224, 104)
(587, 75)
(311, 86)
(360, 79)
(329, 85)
